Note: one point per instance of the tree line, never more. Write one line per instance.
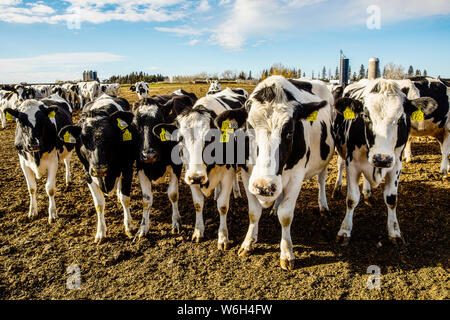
(136, 77)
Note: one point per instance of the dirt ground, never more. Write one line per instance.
(34, 256)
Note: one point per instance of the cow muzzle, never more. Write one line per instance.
(196, 179)
(99, 172)
(264, 187)
(150, 157)
(382, 161)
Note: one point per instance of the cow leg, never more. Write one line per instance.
(445, 149)
(67, 165)
(50, 189)
(285, 214)
(3, 118)
(216, 192)
(337, 191)
(367, 192)
(390, 198)
(123, 190)
(99, 202)
(353, 194)
(408, 153)
(199, 199)
(236, 189)
(322, 181)
(223, 202)
(276, 204)
(254, 214)
(147, 202)
(31, 184)
(173, 197)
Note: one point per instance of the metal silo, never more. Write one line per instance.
(344, 64)
(373, 70)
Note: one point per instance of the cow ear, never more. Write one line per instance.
(305, 110)
(11, 114)
(49, 111)
(177, 105)
(165, 131)
(70, 134)
(426, 105)
(133, 88)
(231, 119)
(348, 105)
(122, 116)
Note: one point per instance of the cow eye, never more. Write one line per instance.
(290, 135)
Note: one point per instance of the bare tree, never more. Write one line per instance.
(394, 71)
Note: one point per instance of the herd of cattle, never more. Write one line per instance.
(286, 131)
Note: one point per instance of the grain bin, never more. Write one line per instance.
(373, 70)
(343, 75)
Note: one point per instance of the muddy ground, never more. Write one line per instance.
(34, 256)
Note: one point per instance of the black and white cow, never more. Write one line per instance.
(39, 147)
(11, 97)
(89, 90)
(72, 93)
(41, 91)
(214, 87)
(106, 143)
(196, 129)
(141, 88)
(111, 89)
(371, 129)
(155, 156)
(436, 123)
(290, 139)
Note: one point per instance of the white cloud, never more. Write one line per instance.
(204, 6)
(63, 66)
(181, 31)
(193, 42)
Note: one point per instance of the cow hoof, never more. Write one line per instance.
(98, 240)
(336, 194)
(223, 246)
(398, 241)
(197, 237)
(287, 264)
(324, 212)
(176, 229)
(128, 233)
(243, 252)
(344, 240)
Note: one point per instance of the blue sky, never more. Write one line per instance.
(43, 41)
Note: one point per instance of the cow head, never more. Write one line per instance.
(275, 126)
(385, 113)
(99, 136)
(34, 129)
(149, 114)
(141, 88)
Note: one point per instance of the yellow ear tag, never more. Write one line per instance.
(164, 135)
(51, 114)
(417, 115)
(126, 135)
(9, 117)
(312, 116)
(349, 114)
(68, 138)
(121, 124)
(225, 137)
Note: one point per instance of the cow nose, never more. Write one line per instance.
(266, 190)
(150, 156)
(34, 147)
(382, 161)
(197, 179)
(99, 171)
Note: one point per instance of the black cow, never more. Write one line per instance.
(155, 155)
(39, 147)
(106, 143)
